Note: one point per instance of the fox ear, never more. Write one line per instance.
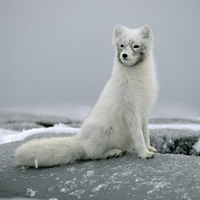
(118, 31)
(146, 32)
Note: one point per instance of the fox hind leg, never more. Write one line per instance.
(112, 153)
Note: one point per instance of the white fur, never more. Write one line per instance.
(118, 121)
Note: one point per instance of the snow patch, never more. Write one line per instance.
(77, 193)
(30, 192)
(90, 173)
(18, 136)
(2, 168)
(194, 127)
(197, 146)
(50, 189)
(157, 186)
(99, 187)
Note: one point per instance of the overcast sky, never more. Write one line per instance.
(60, 52)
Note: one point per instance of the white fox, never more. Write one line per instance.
(119, 120)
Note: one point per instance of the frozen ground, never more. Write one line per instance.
(128, 177)
(170, 175)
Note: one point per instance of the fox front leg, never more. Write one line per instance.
(134, 124)
(145, 130)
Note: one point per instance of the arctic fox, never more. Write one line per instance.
(119, 120)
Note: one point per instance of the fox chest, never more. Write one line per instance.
(133, 95)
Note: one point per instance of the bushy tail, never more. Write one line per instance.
(49, 152)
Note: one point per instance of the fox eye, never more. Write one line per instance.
(121, 45)
(136, 46)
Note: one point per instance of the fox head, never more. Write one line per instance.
(132, 46)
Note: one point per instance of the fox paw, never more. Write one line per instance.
(152, 149)
(147, 154)
(114, 153)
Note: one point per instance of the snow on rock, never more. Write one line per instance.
(197, 146)
(194, 127)
(18, 136)
(30, 192)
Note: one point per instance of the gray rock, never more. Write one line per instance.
(175, 141)
(128, 177)
(170, 175)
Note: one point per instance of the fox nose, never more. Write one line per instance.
(124, 55)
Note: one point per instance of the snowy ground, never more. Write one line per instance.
(127, 177)
(169, 175)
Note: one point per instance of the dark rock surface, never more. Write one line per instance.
(167, 176)
(175, 141)
(127, 177)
